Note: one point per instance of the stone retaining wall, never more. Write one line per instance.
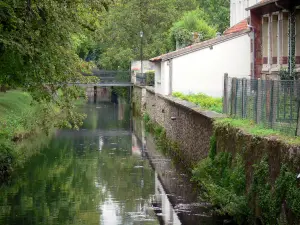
(187, 125)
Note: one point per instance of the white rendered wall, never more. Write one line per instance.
(203, 71)
(162, 74)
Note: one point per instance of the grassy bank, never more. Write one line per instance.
(22, 118)
(202, 100)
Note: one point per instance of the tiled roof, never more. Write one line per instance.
(199, 46)
(243, 25)
(261, 3)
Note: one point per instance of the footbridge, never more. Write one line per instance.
(109, 78)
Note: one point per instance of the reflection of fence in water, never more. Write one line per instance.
(272, 103)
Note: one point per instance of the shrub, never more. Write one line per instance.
(150, 77)
(7, 158)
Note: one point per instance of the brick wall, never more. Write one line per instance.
(256, 23)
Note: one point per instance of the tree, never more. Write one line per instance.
(218, 12)
(182, 32)
(37, 50)
(122, 24)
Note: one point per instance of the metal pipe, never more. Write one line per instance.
(253, 49)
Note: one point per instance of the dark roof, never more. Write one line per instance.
(243, 25)
(261, 3)
(199, 46)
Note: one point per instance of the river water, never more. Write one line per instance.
(97, 175)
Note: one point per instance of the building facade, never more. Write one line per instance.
(200, 68)
(276, 47)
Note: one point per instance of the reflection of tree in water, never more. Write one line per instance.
(63, 191)
(106, 116)
(122, 176)
(71, 182)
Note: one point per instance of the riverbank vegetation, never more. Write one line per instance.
(225, 181)
(21, 118)
(222, 177)
(202, 100)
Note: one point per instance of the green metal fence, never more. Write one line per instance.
(272, 103)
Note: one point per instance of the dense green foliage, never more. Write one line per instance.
(161, 21)
(222, 177)
(217, 13)
(192, 27)
(150, 78)
(21, 117)
(121, 26)
(38, 47)
(223, 180)
(203, 100)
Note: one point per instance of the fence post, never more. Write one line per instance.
(258, 102)
(274, 92)
(233, 96)
(225, 94)
(244, 93)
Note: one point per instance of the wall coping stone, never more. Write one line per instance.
(138, 86)
(187, 105)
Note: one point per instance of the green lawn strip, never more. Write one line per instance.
(202, 100)
(251, 127)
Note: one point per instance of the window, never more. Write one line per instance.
(265, 39)
(275, 39)
(285, 37)
(297, 36)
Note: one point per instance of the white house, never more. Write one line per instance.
(200, 68)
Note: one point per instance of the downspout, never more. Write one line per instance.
(253, 49)
(290, 37)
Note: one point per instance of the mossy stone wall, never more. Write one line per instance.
(185, 124)
(254, 148)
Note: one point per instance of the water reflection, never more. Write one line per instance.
(99, 174)
(88, 176)
(163, 207)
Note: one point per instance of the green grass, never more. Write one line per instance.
(251, 127)
(202, 100)
(15, 101)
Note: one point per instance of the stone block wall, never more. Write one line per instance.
(192, 128)
(137, 99)
(185, 124)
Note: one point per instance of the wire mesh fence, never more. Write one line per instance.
(271, 103)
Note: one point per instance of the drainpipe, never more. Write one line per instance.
(253, 50)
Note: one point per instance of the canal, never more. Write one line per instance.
(99, 174)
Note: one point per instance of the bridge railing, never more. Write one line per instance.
(112, 76)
